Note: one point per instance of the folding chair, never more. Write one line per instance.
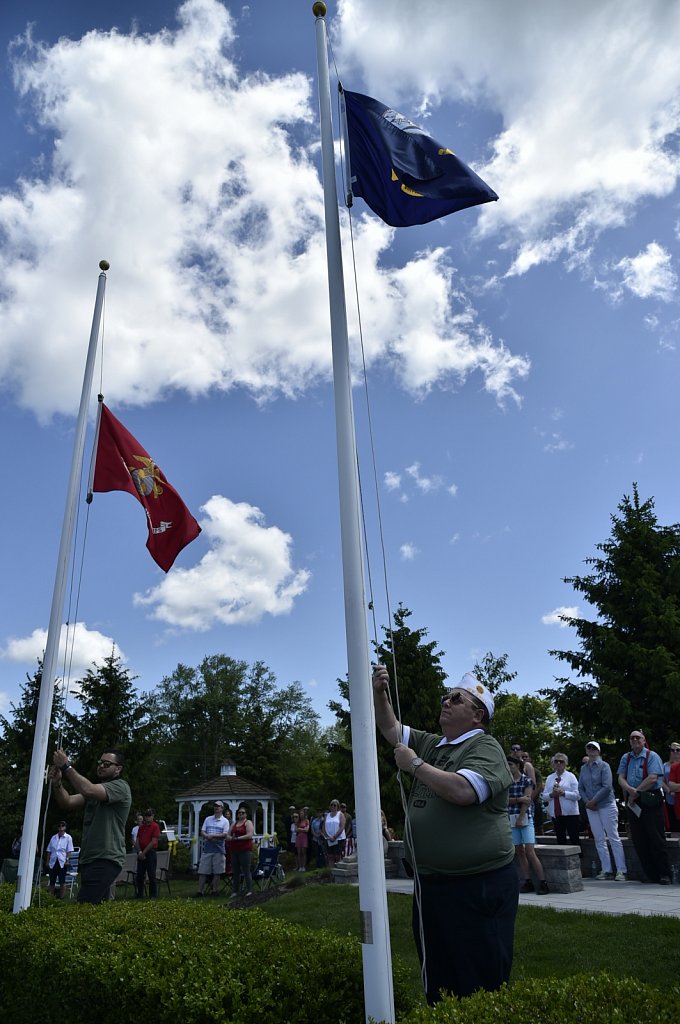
(266, 870)
(71, 879)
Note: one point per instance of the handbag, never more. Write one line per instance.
(651, 798)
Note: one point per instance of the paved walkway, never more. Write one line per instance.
(596, 897)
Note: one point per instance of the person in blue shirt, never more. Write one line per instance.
(640, 774)
(596, 789)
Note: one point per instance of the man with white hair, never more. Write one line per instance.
(457, 840)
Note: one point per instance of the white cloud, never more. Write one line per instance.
(426, 484)
(649, 275)
(557, 443)
(554, 618)
(211, 217)
(588, 95)
(246, 574)
(85, 648)
(408, 551)
(453, 490)
(392, 481)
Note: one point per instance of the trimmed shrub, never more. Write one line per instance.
(578, 999)
(129, 961)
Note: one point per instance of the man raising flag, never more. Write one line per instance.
(123, 465)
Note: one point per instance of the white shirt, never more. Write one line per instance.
(58, 847)
(568, 802)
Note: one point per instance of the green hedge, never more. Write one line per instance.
(579, 999)
(126, 962)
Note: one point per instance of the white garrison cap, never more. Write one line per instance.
(478, 690)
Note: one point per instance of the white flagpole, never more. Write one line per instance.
(22, 896)
(376, 951)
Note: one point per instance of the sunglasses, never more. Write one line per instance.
(107, 764)
(456, 698)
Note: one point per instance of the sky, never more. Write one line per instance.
(521, 357)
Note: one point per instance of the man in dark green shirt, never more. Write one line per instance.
(457, 839)
(106, 804)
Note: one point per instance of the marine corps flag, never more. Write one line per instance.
(405, 175)
(123, 465)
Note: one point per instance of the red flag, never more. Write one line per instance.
(123, 465)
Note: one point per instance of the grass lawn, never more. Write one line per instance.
(548, 943)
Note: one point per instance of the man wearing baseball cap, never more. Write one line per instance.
(457, 840)
(596, 789)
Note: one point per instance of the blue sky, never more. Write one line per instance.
(522, 357)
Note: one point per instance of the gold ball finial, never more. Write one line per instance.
(104, 264)
(319, 9)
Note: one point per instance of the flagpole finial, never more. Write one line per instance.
(104, 264)
(319, 9)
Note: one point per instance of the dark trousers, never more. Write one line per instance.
(567, 823)
(146, 867)
(468, 928)
(96, 879)
(58, 875)
(649, 839)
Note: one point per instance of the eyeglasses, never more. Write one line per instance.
(107, 764)
(559, 760)
(241, 814)
(636, 738)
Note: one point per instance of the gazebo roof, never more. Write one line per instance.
(226, 787)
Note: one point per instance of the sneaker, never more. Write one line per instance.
(527, 886)
(621, 876)
(543, 889)
(234, 896)
(664, 880)
(249, 894)
(604, 876)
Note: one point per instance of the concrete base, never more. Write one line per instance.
(561, 866)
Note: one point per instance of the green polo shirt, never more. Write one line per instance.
(449, 839)
(104, 824)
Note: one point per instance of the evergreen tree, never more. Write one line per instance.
(17, 736)
(628, 662)
(111, 716)
(416, 695)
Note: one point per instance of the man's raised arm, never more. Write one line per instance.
(385, 718)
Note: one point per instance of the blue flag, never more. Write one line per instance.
(404, 174)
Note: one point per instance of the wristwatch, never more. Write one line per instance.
(415, 764)
(65, 767)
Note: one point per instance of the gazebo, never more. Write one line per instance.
(233, 790)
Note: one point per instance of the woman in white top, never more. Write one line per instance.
(334, 833)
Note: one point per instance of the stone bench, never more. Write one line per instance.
(561, 866)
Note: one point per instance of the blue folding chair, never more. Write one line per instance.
(266, 871)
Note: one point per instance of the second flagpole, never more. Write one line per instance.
(375, 936)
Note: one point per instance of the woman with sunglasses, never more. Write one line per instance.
(241, 850)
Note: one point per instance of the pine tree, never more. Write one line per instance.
(417, 696)
(628, 663)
